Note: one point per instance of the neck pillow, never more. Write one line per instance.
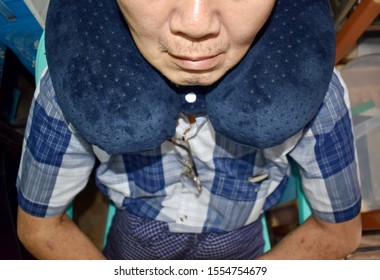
(117, 101)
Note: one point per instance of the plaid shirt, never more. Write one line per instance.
(238, 182)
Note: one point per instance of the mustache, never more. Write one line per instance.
(183, 47)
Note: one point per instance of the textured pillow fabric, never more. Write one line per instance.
(120, 103)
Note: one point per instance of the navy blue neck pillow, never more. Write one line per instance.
(117, 101)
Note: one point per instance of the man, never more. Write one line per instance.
(193, 130)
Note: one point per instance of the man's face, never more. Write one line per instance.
(194, 42)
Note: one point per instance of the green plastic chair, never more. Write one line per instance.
(303, 205)
(41, 63)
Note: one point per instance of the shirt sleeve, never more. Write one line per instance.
(55, 163)
(327, 159)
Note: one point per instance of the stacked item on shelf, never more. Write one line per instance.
(361, 76)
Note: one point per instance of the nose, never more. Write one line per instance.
(195, 19)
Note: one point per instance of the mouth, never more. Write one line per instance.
(197, 64)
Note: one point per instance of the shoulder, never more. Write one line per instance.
(45, 94)
(335, 107)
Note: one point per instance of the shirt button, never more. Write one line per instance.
(191, 97)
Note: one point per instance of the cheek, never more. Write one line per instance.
(143, 21)
(243, 33)
(147, 34)
(243, 23)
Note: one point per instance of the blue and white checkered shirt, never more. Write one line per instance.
(238, 182)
